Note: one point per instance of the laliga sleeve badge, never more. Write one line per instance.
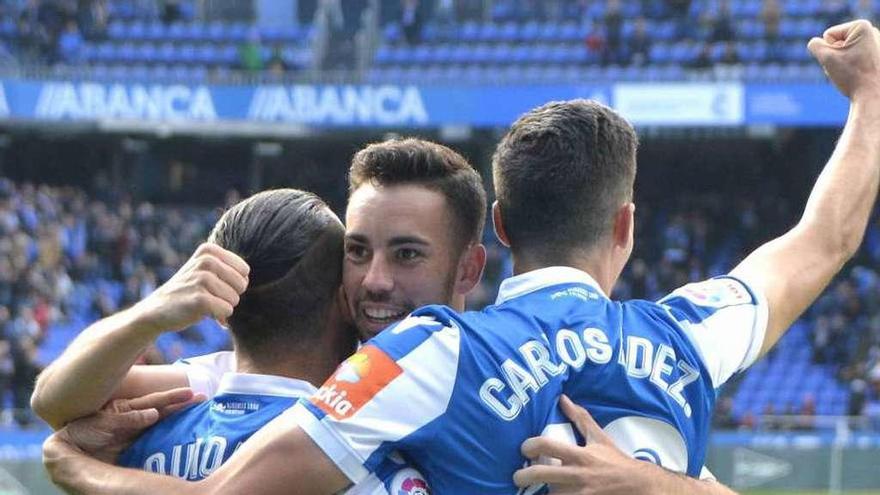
(408, 481)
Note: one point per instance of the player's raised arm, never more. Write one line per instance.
(97, 366)
(792, 270)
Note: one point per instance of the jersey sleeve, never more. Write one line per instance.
(392, 393)
(204, 372)
(725, 319)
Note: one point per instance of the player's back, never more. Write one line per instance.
(193, 443)
(459, 393)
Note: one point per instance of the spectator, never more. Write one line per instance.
(722, 29)
(835, 12)
(171, 11)
(22, 335)
(6, 365)
(595, 41)
(250, 54)
(411, 21)
(771, 17)
(730, 56)
(723, 418)
(640, 44)
(613, 32)
(277, 66)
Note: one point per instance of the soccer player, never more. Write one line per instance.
(288, 331)
(458, 393)
(415, 222)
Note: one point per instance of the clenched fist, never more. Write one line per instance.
(850, 55)
(210, 283)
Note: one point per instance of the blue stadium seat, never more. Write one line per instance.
(421, 55)
(460, 54)
(509, 32)
(470, 32)
(195, 31)
(105, 52)
(549, 31)
(117, 30)
(137, 30)
(392, 32)
(137, 73)
(166, 53)
(530, 32)
(160, 72)
(663, 30)
(187, 54)
(751, 29)
(384, 55)
(229, 55)
(489, 31)
(659, 53)
(443, 53)
(238, 32)
(217, 31)
(156, 32)
(176, 32)
(206, 53)
(126, 52)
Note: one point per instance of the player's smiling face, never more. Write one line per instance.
(399, 254)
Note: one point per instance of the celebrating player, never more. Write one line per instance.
(415, 221)
(457, 393)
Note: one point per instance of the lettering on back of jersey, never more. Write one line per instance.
(356, 381)
(641, 359)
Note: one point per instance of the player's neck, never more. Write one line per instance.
(313, 365)
(601, 272)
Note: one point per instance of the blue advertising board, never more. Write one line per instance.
(344, 106)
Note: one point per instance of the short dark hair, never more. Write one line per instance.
(560, 173)
(430, 165)
(292, 242)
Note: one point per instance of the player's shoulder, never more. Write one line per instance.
(717, 292)
(421, 324)
(697, 301)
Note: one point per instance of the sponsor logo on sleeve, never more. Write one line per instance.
(356, 382)
(408, 481)
(716, 293)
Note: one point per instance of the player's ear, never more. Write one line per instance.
(498, 223)
(470, 268)
(624, 227)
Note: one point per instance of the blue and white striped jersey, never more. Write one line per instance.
(459, 393)
(193, 443)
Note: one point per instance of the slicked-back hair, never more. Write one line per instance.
(293, 244)
(432, 166)
(561, 172)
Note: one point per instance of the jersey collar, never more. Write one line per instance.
(545, 277)
(254, 384)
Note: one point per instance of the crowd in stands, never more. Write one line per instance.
(159, 36)
(68, 258)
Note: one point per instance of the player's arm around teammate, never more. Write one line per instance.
(792, 270)
(600, 467)
(97, 366)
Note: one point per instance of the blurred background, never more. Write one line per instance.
(126, 126)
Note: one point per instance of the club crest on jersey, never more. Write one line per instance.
(356, 382)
